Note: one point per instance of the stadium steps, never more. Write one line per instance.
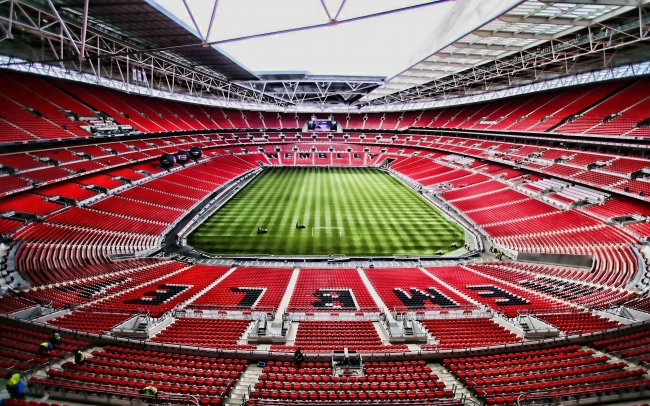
(520, 287)
(249, 377)
(291, 338)
(287, 296)
(93, 302)
(457, 291)
(243, 339)
(375, 296)
(450, 381)
(207, 288)
(380, 333)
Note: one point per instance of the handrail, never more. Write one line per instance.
(63, 386)
(310, 309)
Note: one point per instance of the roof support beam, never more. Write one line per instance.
(84, 28)
(493, 47)
(544, 20)
(64, 26)
(628, 3)
(214, 12)
(450, 54)
(441, 64)
(504, 34)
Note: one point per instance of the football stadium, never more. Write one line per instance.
(324, 202)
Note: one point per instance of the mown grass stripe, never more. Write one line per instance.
(378, 214)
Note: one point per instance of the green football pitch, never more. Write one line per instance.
(346, 211)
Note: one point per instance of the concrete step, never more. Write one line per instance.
(450, 380)
(248, 378)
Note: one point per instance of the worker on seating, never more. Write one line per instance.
(79, 357)
(299, 356)
(150, 391)
(45, 348)
(55, 338)
(15, 385)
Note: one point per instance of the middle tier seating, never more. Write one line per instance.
(211, 333)
(326, 336)
(468, 332)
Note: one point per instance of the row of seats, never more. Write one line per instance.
(467, 332)
(215, 333)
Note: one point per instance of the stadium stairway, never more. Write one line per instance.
(207, 288)
(287, 297)
(375, 296)
(505, 282)
(451, 381)
(457, 291)
(247, 379)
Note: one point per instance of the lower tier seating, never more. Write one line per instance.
(209, 379)
(564, 371)
(383, 382)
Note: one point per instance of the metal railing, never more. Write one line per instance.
(66, 390)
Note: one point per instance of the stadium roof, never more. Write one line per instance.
(330, 54)
(333, 37)
(524, 30)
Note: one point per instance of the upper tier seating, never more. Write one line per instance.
(248, 288)
(67, 189)
(537, 277)
(618, 207)
(540, 112)
(163, 295)
(501, 297)
(28, 203)
(328, 290)
(413, 289)
(92, 288)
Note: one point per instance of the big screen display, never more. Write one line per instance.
(322, 125)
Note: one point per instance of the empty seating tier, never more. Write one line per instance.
(326, 336)
(410, 288)
(211, 333)
(385, 382)
(163, 295)
(467, 332)
(248, 288)
(330, 290)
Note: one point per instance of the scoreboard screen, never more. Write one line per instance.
(322, 125)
